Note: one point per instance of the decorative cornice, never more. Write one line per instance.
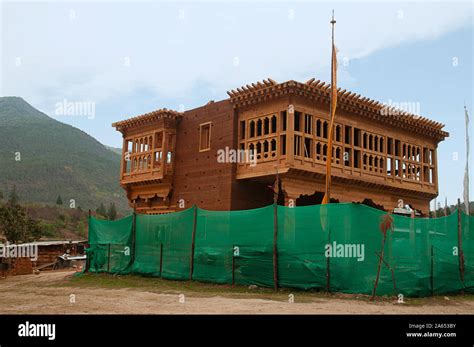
(319, 91)
(147, 118)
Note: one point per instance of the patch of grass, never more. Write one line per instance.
(200, 289)
(452, 299)
(191, 288)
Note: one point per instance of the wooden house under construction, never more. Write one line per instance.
(381, 156)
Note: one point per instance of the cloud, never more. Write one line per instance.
(104, 51)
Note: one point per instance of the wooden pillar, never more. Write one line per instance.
(422, 164)
(290, 133)
(351, 142)
(132, 156)
(165, 153)
(152, 150)
(123, 165)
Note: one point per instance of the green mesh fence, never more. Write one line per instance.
(235, 245)
(110, 245)
(336, 247)
(468, 248)
(301, 242)
(164, 242)
(356, 240)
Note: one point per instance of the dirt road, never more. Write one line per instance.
(59, 293)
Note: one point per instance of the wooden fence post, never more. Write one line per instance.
(275, 246)
(134, 234)
(460, 250)
(108, 259)
(233, 265)
(161, 258)
(328, 270)
(88, 260)
(432, 271)
(193, 240)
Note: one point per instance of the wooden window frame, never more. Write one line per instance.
(200, 136)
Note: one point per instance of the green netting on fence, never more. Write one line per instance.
(301, 245)
(443, 238)
(468, 248)
(239, 240)
(164, 242)
(110, 245)
(335, 246)
(356, 241)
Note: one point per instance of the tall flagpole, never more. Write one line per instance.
(332, 113)
(466, 172)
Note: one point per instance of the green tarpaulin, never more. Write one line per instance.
(335, 245)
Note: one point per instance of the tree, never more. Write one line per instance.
(112, 213)
(59, 201)
(1, 196)
(13, 197)
(16, 226)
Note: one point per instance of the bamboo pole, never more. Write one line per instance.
(161, 258)
(134, 233)
(275, 247)
(276, 191)
(460, 250)
(328, 266)
(108, 259)
(432, 271)
(88, 261)
(193, 240)
(233, 265)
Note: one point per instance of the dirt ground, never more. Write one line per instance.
(61, 293)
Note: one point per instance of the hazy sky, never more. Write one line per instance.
(133, 57)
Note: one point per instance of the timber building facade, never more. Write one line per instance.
(381, 156)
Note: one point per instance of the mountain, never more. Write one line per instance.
(55, 159)
(115, 150)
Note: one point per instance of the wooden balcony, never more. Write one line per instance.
(280, 143)
(148, 157)
(146, 166)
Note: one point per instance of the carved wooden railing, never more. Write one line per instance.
(356, 151)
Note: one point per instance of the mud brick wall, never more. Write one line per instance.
(20, 266)
(199, 178)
